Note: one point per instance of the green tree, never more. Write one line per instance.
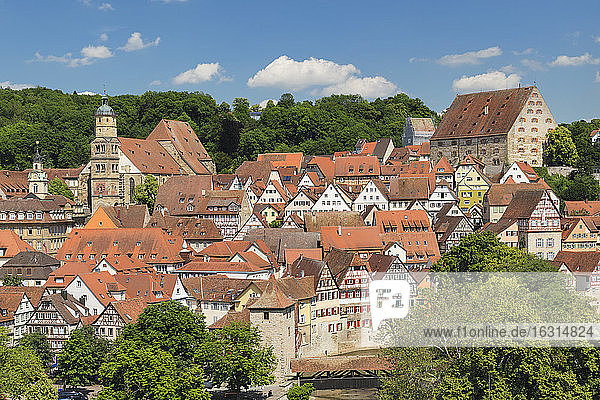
(58, 187)
(140, 372)
(172, 327)
(560, 149)
(81, 357)
(12, 280)
(483, 252)
(38, 342)
(145, 193)
(301, 392)
(22, 375)
(238, 359)
(276, 223)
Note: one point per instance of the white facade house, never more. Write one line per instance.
(273, 193)
(520, 172)
(299, 204)
(333, 199)
(372, 194)
(91, 290)
(440, 196)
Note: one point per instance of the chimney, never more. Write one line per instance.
(63, 294)
(339, 230)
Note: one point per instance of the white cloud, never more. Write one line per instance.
(417, 60)
(489, 81)
(525, 52)
(596, 39)
(470, 57)
(575, 61)
(15, 86)
(96, 52)
(201, 73)
(135, 42)
(597, 80)
(170, 1)
(508, 69)
(329, 78)
(89, 55)
(104, 37)
(155, 83)
(533, 64)
(287, 73)
(264, 103)
(87, 93)
(369, 87)
(106, 7)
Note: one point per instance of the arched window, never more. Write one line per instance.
(521, 129)
(131, 189)
(534, 129)
(534, 120)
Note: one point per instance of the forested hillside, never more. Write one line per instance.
(64, 124)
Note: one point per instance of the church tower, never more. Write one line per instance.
(37, 178)
(104, 162)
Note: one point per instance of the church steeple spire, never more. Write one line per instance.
(37, 178)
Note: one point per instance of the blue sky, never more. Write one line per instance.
(261, 49)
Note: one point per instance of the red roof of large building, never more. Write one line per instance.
(482, 114)
(185, 141)
(283, 160)
(150, 245)
(402, 221)
(352, 166)
(149, 157)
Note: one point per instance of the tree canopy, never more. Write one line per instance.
(57, 186)
(145, 193)
(64, 124)
(560, 149)
(81, 357)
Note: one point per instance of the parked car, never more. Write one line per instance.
(72, 395)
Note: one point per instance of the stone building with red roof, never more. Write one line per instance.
(497, 126)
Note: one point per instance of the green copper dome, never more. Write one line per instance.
(105, 109)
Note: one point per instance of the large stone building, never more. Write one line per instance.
(118, 164)
(498, 127)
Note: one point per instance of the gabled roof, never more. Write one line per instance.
(151, 245)
(350, 238)
(501, 194)
(416, 244)
(500, 226)
(151, 287)
(149, 157)
(283, 160)
(278, 239)
(356, 166)
(447, 224)
(304, 266)
(422, 124)
(190, 228)
(10, 301)
(13, 244)
(325, 165)
(338, 262)
(258, 170)
(231, 317)
(273, 297)
(482, 114)
(214, 287)
(218, 267)
(528, 171)
(129, 309)
(523, 203)
(379, 264)
(409, 168)
(32, 259)
(402, 220)
(409, 188)
(64, 306)
(292, 255)
(578, 262)
(313, 221)
(14, 183)
(102, 285)
(472, 160)
(582, 207)
(33, 293)
(443, 167)
(185, 141)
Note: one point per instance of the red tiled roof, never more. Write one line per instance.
(325, 165)
(356, 166)
(149, 157)
(467, 116)
(292, 255)
(416, 244)
(185, 141)
(151, 287)
(33, 293)
(283, 160)
(150, 245)
(13, 244)
(273, 297)
(350, 238)
(102, 284)
(443, 167)
(582, 207)
(402, 220)
(578, 262)
(410, 188)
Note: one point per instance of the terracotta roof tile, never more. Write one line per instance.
(185, 141)
(350, 238)
(578, 262)
(356, 166)
(283, 160)
(402, 221)
(467, 116)
(13, 244)
(149, 157)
